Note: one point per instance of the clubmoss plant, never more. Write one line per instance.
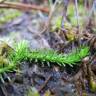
(60, 59)
(22, 53)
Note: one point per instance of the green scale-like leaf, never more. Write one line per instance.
(22, 53)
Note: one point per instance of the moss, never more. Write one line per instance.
(8, 15)
(72, 14)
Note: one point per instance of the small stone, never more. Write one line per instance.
(85, 60)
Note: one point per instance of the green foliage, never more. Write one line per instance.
(92, 84)
(76, 56)
(60, 59)
(22, 53)
(57, 24)
(71, 13)
(8, 68)
(15, 57)
(32, 92)
(8, 15)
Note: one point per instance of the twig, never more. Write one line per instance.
(77, 14)
(92, 9)
(87, 20)
(78, 26)
(23, 7)
(2, 1)
(4, 90)
(49, 17)
(65, 5)
(45, 83)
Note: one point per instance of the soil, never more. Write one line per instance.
(56, 79)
